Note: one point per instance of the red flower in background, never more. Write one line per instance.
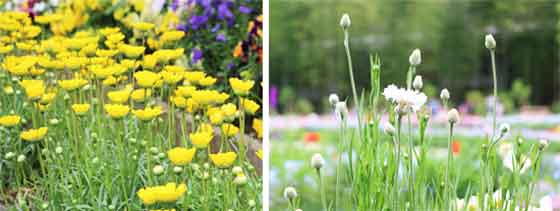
(311, 137)
(456, 147)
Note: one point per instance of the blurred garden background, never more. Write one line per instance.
(308, 62)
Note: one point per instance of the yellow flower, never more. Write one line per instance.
(162, 193)
(179, 102)
(250, 106)
(8, 89)
(241, 87)
(229, 110)
(116, 110)
(80, 109)
(205, 97)
(257, 126)
(147, 114)
(230, 129)
(207, 81)
(201, 139)
(146, 79)
(110, 81)
(106, 53)
(10, 120)
(6, 49)
(33, 88)
(216, 118)
(185, 91)
(171, 77)
(47, 98)
(149, 61)
(174, 69)
(180, 155)
(191, 105)
(140, 95)
(143, 26)
(119, 97)
(194, 76)
(101, 72)
(131, 51)
(223, 160)
(73, 84)
(170, 36)
(259, 154)
(34, 134)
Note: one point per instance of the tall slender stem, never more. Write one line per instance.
(410, 162)
(493, 57)
(352, 82)
(396, 200)
(322, 189)
(446, 186)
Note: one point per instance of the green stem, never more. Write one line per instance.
(446, 186)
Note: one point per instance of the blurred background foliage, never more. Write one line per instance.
(307, 60)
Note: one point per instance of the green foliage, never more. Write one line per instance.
(303, 106)
(520, 91)
(475, 98)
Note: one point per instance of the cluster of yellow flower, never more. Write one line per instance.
(91, 71)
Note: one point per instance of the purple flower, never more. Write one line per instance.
(215, 28)
(273, 97)
(244, 9)
(230, 66)
(221, 37)
(196, 55)
(224, 13)
(197, 21)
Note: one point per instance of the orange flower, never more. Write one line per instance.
(238, 51)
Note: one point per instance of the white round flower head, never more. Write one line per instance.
(417, 83)
(490, 42)
(406, 100)
(177, 169)
(389, 129)
(345, 21)
(58, 150)
(237, 170)
(504, 129)
(444, 95)
(415, 57)
(317, 161)
(240, 180)
(333, 99)
(290, 193)
(453, 116)
(157, 170)
(341, 110)
(21, 158)
(543, 144)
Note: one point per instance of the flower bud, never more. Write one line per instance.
(252, 203)
(21, 158)
(237, 170)
(490, 42)
(157, 170)
(345, 21)
(415, 57)
(333, 99)
(389, 129)
(54, 121)
(417, 83)
(9, 155)
(299, 210)
(240, 180)
(504, 129)
(290, 193)
(317, 161)
(453, 116)
(543, 144)
(58, 150)
(177, 169)
(341, 110)
(444, 95)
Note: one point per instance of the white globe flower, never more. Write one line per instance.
(406, 100)
(490, 42)
(345, 21)
(415, 57)
(290, 193)
(317, 161)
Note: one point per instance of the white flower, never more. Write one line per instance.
(252, 203)
(237, 170)
(317, 161)
(157, 170)
(177, 169)
(417, 83)
(333, 99)
(21, 158)
(415, 57)
(504, 129)
(444, 95)
(290, 193)
(453, 116)
(345, 21)
(406, 100)
(341, 110)
(543, 143)
(240, 179)
(489, 42)
(58, 150)
(389, 129)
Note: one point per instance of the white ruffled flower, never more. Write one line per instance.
(406, 100)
